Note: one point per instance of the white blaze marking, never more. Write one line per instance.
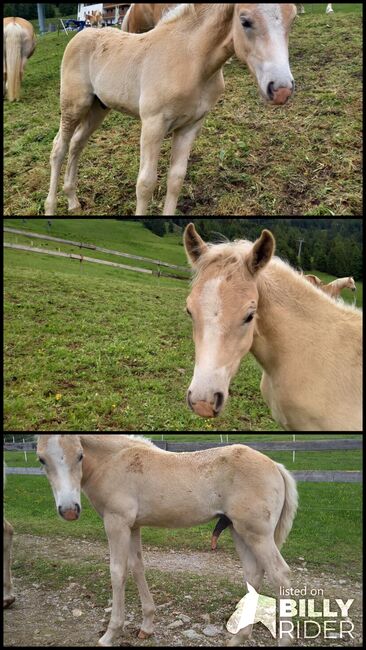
(66, 494)
(208, 377)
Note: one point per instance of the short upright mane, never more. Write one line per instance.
(230, 256)
(176, 13)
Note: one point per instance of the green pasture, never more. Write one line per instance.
(92, 348)
(303, 159)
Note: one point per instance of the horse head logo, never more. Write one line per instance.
(253, 609)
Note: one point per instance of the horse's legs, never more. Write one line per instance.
(268, 556)
(183, 140)
(70, 118)
(58, 153)
(152, 134)
(8, 596)
(119, 536)
(136, 565)
(87, 126)
(253, 574)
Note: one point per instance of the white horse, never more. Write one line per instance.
(131, 483)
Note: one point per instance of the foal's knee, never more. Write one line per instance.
(146, 184)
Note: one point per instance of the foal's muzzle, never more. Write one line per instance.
(70, 514)
(281, 95)
(207, 409)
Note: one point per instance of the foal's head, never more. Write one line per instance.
(222, 305)
(261, 35)
(61, 456)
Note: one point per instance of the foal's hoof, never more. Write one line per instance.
(144, 635)
(7, 602)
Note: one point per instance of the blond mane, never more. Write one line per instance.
(229, 257)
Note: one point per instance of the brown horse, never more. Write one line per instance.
(141, 17)
(170, 78)
(19, 45)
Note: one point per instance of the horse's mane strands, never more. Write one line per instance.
(177, 12)
(230, 257)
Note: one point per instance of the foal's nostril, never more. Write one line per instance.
(189, 400)
(219, 401)
(270, 90)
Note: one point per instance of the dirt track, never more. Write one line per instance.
(71, 617)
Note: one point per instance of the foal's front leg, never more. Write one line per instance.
(119, 535)
(183, 140)
(138, 571)
(152, 135)
(8, 596)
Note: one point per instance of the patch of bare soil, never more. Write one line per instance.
(70, 617)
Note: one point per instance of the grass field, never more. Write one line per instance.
(94, 348)
(304, 159)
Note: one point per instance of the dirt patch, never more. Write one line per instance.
(42, 616)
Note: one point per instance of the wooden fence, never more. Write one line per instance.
(307, 476)
(69, 242)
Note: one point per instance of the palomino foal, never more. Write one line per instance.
(131, 483)
(170, 78)
(309, 346)
(19, 45)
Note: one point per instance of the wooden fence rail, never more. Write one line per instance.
(69, 242)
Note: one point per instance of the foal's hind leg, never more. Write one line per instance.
(87, 126)
(268, 556)
(70, 118)
(253, 574)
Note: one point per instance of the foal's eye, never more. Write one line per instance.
(249, 318)
(189, 312)
(80, 458)
(41, 461)
(247, 24)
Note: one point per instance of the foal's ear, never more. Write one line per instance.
(261, 253)
(194, 245)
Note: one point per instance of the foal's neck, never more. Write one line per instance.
(292, 317)
(212, 37)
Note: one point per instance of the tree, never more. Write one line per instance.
(157, 226)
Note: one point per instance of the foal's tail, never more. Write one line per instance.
(13, 59)
(289, 509)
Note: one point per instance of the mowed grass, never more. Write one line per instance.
(91, 348)
(303, 159)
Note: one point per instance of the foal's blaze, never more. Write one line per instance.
(222, 305)
(62, 458)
